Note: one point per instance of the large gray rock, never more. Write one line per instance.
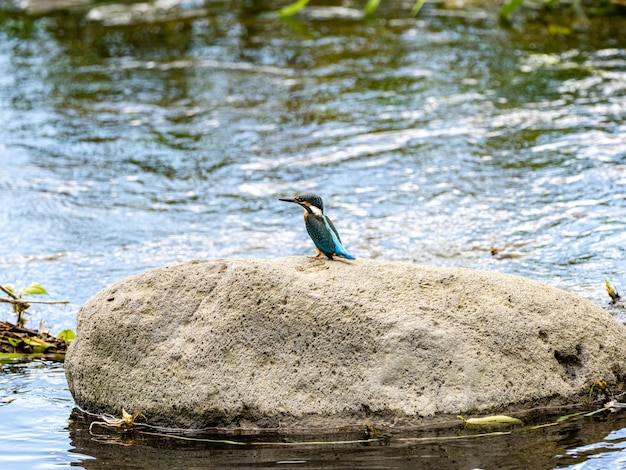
(301, 342)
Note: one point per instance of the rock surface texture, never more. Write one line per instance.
(301, 343)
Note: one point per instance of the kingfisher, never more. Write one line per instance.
(320, 228)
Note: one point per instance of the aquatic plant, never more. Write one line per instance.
(16, 340)
(18, 304)
(369, 8)
(505, 11)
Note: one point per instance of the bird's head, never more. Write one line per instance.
(311, 203)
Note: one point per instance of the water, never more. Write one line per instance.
(435, 141)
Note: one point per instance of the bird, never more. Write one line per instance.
(319, 227)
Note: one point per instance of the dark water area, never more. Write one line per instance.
(137, 135)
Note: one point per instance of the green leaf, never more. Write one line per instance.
(371, 6)
(67, 336)
(10, 357)
(509, 7)
(417, 6)
(565, 418)
(38, 345)
(10, 288)
(34, 289)
(293, 8)
(14, 341)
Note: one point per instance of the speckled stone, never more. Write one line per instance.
(301, 343)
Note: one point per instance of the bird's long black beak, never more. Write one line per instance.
(287, 199)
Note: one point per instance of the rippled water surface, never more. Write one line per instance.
(133, 137)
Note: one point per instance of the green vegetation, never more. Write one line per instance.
(18, 341)
(506, 10)
(17, 303)
(369, 8)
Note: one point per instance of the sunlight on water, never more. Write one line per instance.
(39, 393)
(610, 453)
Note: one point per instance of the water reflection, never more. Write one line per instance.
(445, 448)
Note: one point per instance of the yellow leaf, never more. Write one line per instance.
(495, 420)
(128, 418)
(611, 291)
(558, 29)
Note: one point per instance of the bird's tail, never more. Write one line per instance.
(343, 253)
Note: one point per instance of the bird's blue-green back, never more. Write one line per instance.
(324, 234)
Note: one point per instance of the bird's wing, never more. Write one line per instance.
(339, 249)
(332, 227)
(319, 233)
